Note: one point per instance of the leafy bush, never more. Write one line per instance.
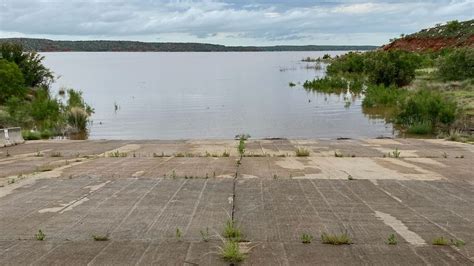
(31, 135)
(457, 65)
(381, 96)
(427, 106)
(391, 67)
(351, 62)
(46, 111)
(11, 81)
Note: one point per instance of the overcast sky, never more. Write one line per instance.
(229, 22)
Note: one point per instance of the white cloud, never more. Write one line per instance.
(230, 22)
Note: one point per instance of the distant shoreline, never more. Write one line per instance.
(45, 45)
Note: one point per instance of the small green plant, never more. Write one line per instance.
(392, 240)
(458, 243)
(395, 153)
(225, 154)
(445, 155)
(230, 251)
(117, 154)
(40, 235)
(338, 154)
(38, 154)
(180, 154)
(101, 237)
(302, 152)
(349, 177)
(241, 147)
(306, 238)
(178, 234)
(173, 175)
(231, 231)
(342, 239)
(440, 241)
(8, 154)
(205, 234)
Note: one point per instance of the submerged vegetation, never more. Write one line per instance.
(26, 99)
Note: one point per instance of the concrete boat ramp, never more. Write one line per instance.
(167, 202)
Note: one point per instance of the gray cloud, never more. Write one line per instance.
(228, 22)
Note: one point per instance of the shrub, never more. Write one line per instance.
(391, 67)
(352, 62)
(426, 106)
(30, 135)
(382, 96)
(457, 65)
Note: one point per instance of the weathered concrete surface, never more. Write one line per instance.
(154, 188)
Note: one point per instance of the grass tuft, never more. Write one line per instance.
(40, 236)
(342, 239)
(231, 231)
(440, 241)
(101, 237)
(230, 252)
(392, 240)
(302, 152)
(306, 238)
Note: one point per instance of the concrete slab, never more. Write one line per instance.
(140, 200)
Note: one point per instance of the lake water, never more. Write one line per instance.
(208, 95)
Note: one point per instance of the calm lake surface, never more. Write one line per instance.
(208, 95)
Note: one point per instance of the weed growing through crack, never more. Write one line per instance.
(394, 154)
(230, 251)
(38, 154)
(117, 154)
(40, 236)
(101, 237)
(178, 234)
(241, 147)
(392, 240)
(225, 154)
(440, 241)
(338, 154)
(458, 243)
(231, 231)
(8, 154)
(302, 152)
(342, 239)
(173, 175)
(205, 234)
(306, 238)
(349, 177)
(445, 155)
(56, 154)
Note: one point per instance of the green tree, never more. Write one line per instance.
(11, 81)
(30, 63)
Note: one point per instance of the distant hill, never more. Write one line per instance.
(45, 45)
(450, 35)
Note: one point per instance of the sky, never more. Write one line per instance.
(228, 22)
